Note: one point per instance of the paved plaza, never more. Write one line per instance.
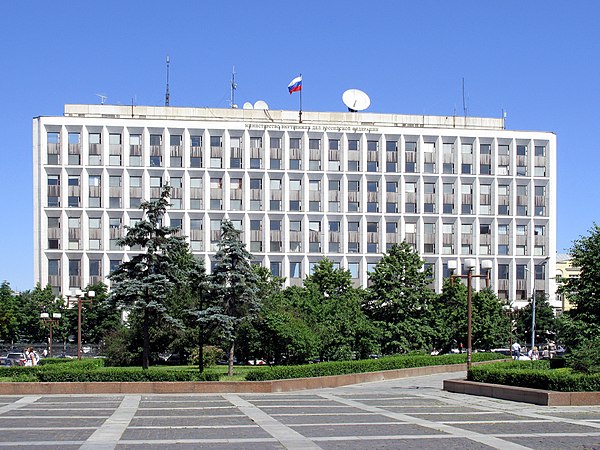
(406, 413)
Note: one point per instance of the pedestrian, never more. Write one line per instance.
(533, 354)
(29, 357)
(516, 350)
(546, 353)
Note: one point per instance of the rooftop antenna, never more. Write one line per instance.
(233, 88)
(167, 95)
(463, 96)
(102, 98)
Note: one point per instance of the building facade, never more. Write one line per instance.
(342, 185)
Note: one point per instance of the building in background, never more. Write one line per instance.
(564, 270)
(343, 185)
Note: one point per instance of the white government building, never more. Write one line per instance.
(345, 185)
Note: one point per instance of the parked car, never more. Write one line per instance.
(20, 357)
(8, 362)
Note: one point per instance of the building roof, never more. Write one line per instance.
(358, 119)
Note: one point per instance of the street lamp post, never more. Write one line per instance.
(79, 297)
(470, 264)
(50, 321)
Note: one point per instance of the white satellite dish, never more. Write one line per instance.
(248, 105)
(261, 105)
(356, 100)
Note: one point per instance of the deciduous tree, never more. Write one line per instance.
(399, 298)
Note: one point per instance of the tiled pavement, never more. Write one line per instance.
(407, 413)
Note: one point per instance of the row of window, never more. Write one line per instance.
(295, 271)
(155, 157)
(430, 200)
(343, 236)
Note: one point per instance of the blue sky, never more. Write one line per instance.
(534, 59)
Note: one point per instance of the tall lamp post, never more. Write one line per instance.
(533, 303)
(79, 297)
(50, 321)
(470, 264)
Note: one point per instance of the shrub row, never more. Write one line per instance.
(361, 366)
(79, 373)
(536, 375)
(88, 363)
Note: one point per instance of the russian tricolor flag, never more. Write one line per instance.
(295, 85)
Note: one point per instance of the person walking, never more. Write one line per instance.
(516, 350)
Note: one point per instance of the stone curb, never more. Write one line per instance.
(220, 387)
(521, 394)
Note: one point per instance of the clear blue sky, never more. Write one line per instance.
(538, 60)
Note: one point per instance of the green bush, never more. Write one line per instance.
(92, 370)
(211, 354)
(123, 374)
(88, 363)
(536, 375)
(360, 366)
(586, 357)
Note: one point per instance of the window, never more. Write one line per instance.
(294, 269)
(275, 267)
(540, 150)
(95, 149)
(503, 272)
(74, 140)
(539, 230)
(94, 182)
(410, 156)
(391, 148)
(467, 158)
(135, 150)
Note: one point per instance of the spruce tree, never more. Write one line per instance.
(233, 289)
(142, 284)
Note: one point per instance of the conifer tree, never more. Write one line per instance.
(142, 284)
(233, 289)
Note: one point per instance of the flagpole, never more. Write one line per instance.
(300, 112)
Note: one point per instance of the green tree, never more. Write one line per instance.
(399, 298)
(490, 323)
(98, 318)
(583, 321)
(450, 317)
(233, 288)
(9, 325)
(30, 305)
(545, 321)
(343, 328)
(143, 284)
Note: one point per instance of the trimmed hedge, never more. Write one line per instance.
(536, 375)
(361, 366)
(122, 374)
(86, 372)
(88, 363)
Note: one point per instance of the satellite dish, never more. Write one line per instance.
(248, 105)
(261, 105)
(356, 100)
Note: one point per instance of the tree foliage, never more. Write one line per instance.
(143, 284)
(399, 299)
(232, 291)
(584, 291)
(545, 321)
